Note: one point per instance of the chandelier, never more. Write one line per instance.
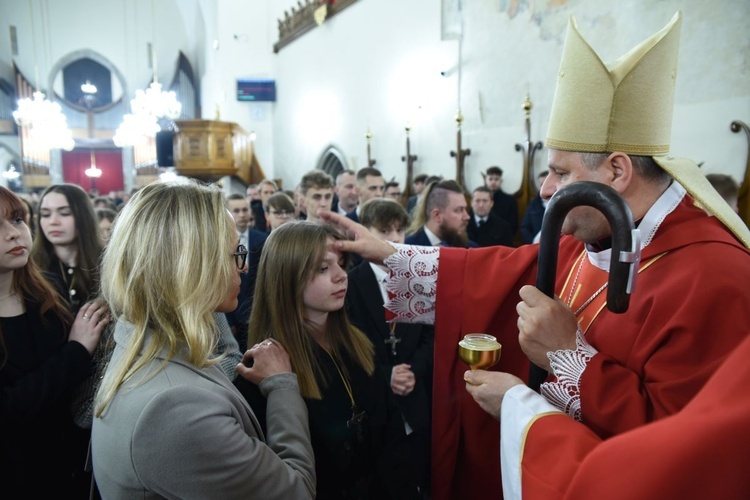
(154, 102)
(45, 121)
(135, 129)
(11, 174)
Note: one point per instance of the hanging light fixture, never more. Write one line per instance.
(93, 172)
(135, 130)
(45, 121)
(43, 118)
(149, 107)
(11, 174)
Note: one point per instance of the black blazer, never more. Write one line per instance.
(505, 207)
(495, 231)
(532, 220)
(37, 436)
(365, 308)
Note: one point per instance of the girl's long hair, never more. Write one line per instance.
(28, 282)
(87, 241)
(291, 255)
(166, 269)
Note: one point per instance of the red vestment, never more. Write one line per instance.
(689, 310)
(700, 452)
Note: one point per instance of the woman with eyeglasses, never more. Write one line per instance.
(67, 245)
(279, 209)
(169, 423)
(44, 355)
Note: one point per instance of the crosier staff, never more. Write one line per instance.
(626, 247)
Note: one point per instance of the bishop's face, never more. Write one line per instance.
(586, 224)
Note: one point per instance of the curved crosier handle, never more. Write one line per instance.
(626, 246)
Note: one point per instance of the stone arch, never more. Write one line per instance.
(332, 161)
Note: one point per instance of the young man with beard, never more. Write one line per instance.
(441, 218)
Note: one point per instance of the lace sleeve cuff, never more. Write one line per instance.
(568, 367)
(412, 287)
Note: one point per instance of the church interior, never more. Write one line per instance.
(274, 89)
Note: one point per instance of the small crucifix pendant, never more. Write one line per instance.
(392, 340)
(356, 422)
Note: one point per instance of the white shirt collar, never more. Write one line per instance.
(381, 276)
(434, 240)
(477, 218)
(665, 205)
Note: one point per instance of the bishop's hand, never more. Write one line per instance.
(544, 325)
(361, 241)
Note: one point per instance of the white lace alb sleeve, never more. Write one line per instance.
(412, 286)
(568, 367)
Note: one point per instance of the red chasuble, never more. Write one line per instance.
(689, 310)
(700, 452)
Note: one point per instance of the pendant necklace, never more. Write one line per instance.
(392, 340)
(357, 416)
(573, 288)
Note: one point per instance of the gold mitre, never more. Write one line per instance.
(622, 106)
(626, 106)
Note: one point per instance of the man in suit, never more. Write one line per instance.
(420, 182)
(531, 224)
(253, 240)
(504, 204)
(440, 218)
(486, 228)
(403, 351)
(370, 184)
(346, 198)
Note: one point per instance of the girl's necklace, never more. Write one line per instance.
(357, 416)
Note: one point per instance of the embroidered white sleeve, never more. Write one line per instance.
(413, 283)
(568, 366)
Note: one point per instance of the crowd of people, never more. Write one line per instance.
(302, 344)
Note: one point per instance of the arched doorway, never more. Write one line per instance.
(332, 161)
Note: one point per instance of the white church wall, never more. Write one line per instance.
(361, 67)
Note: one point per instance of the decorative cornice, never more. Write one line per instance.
(302, 19)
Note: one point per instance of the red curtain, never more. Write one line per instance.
(109, 161)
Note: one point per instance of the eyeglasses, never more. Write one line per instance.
(281, 213)
(240, 256)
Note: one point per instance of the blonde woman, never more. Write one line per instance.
(357, 431)
(168, 422)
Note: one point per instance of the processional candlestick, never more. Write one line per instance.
(460, 154)
(527, 148)
(409, 159)
(370, 160)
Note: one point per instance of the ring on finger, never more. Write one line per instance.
(85, 316)
(270, 342)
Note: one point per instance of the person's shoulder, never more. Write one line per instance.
(418, 238)
(255, 236)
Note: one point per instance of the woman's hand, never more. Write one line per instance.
(89, 325)
(268, 358)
